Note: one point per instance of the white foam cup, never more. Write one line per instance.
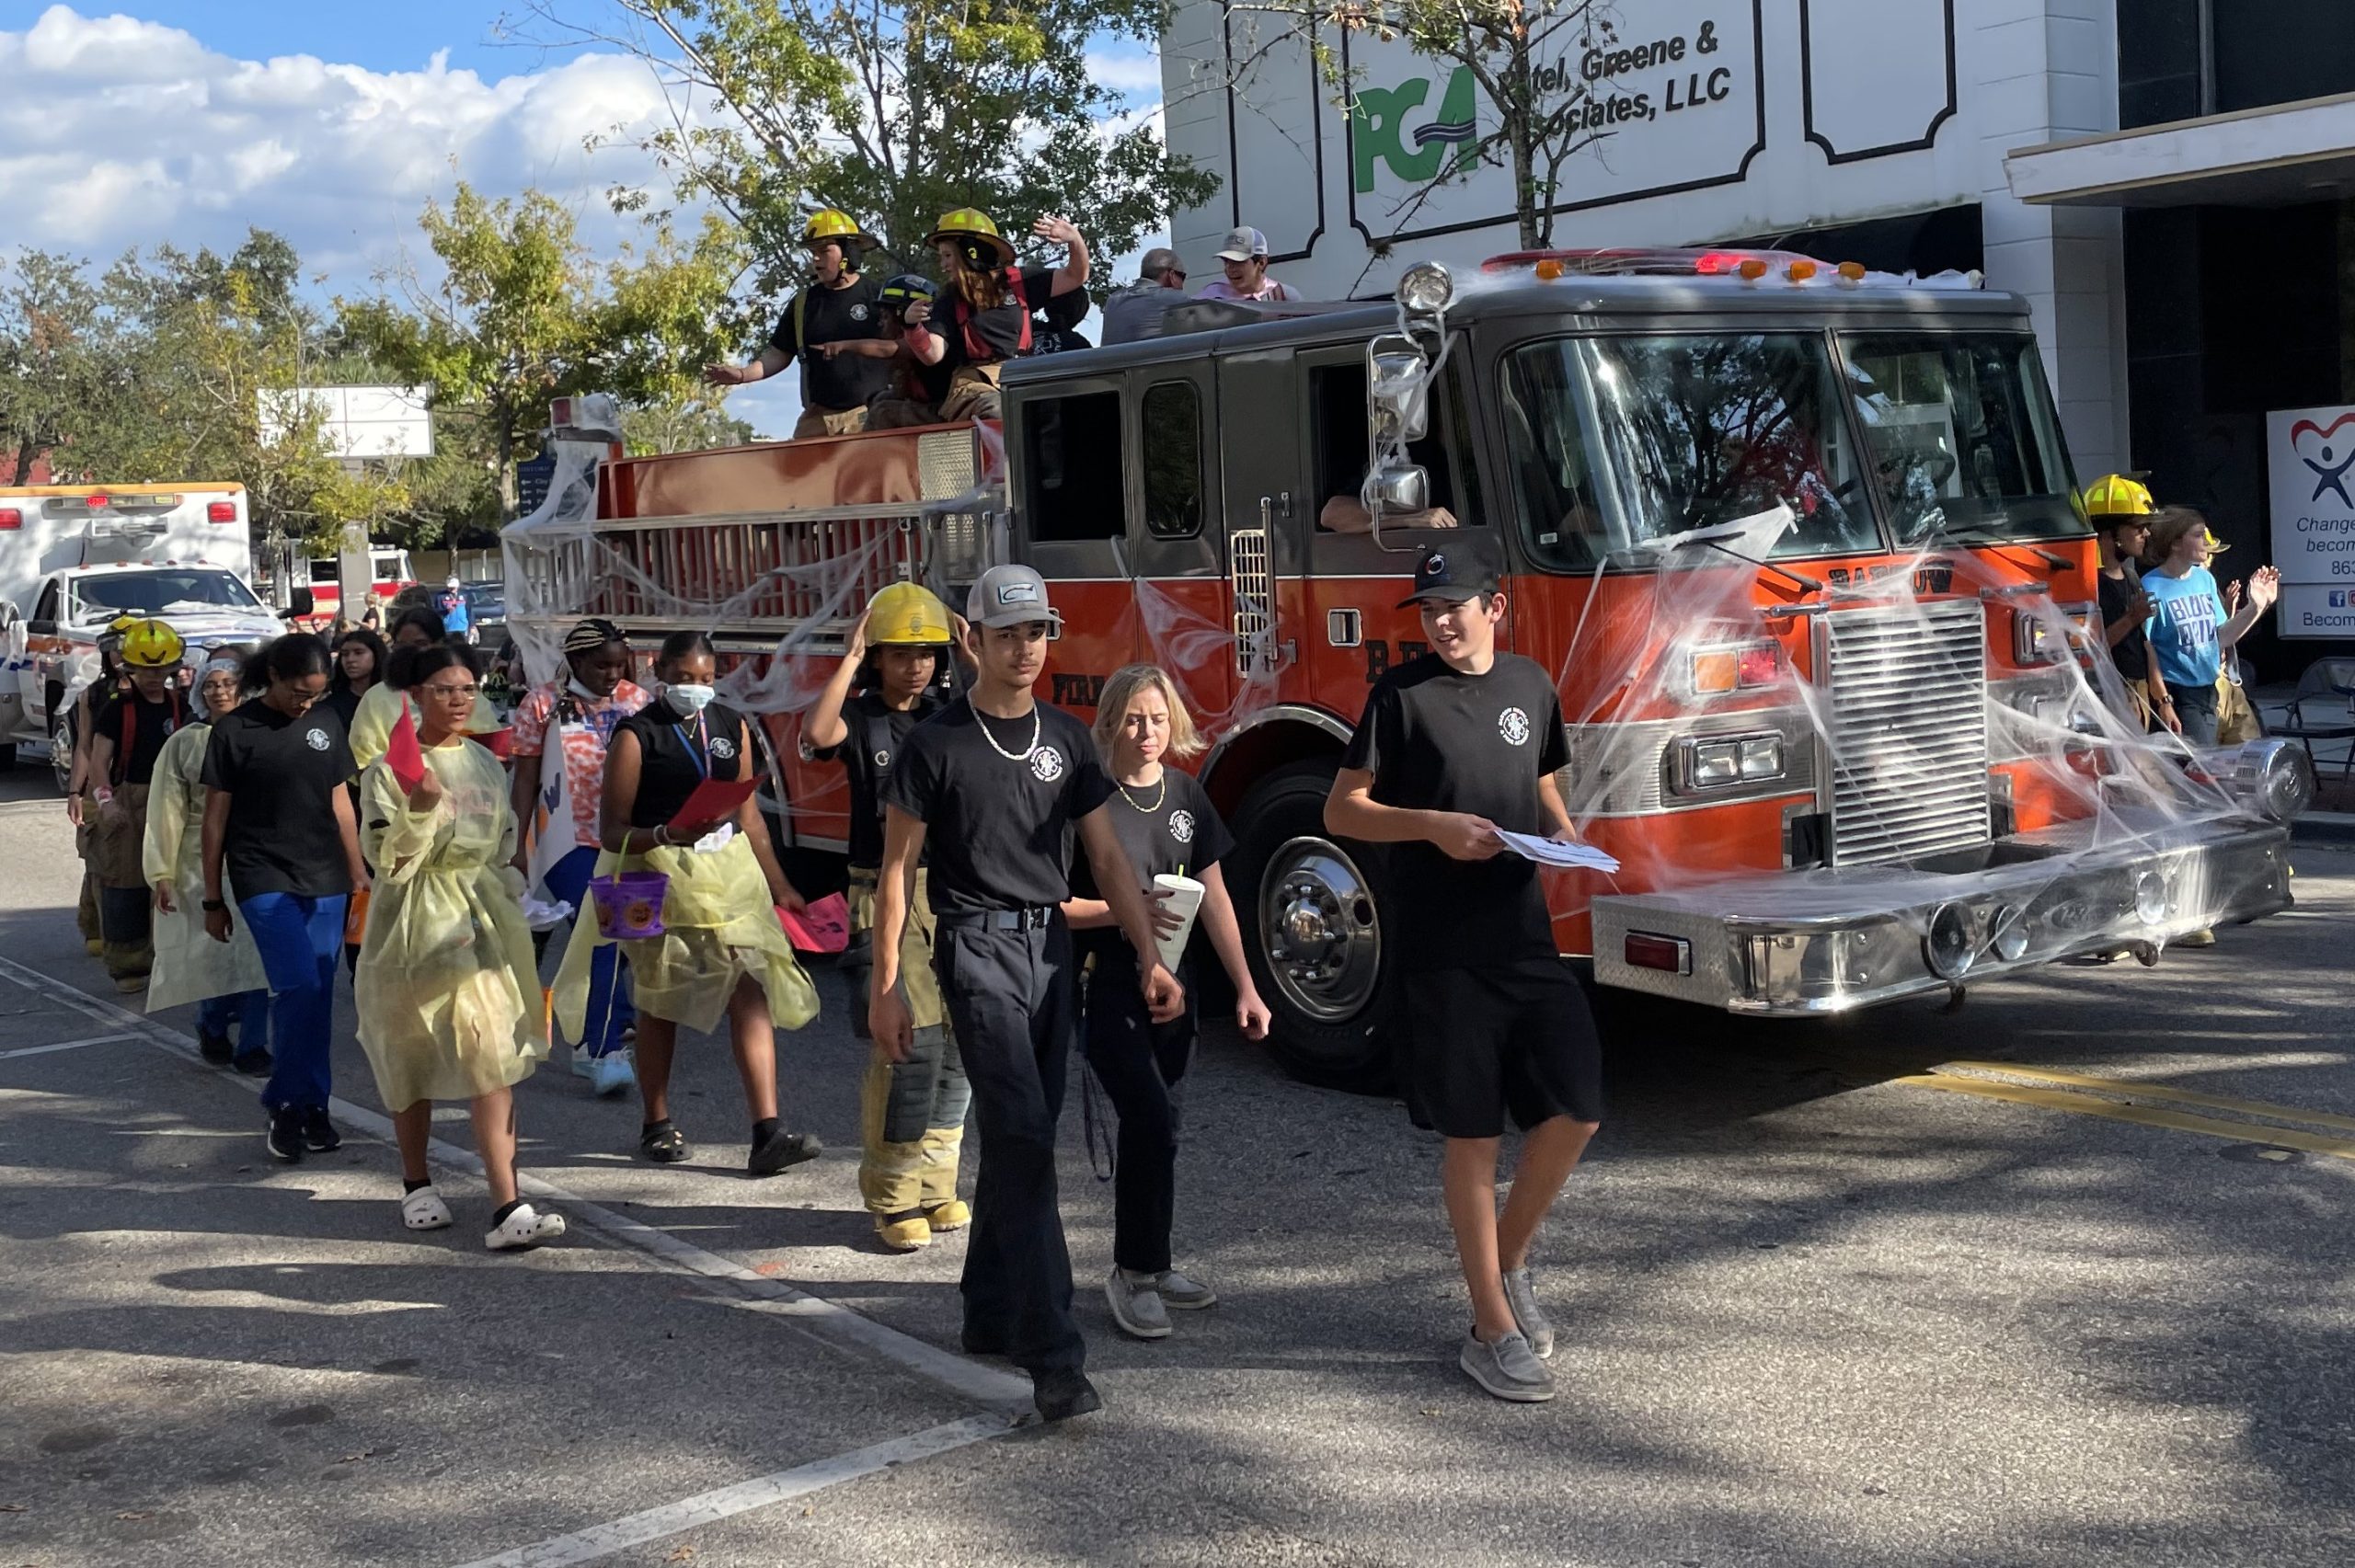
(1184, 894)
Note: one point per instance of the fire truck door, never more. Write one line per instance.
(1265, 511)
(1177, 548)
(1071, 523)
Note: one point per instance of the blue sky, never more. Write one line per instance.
(330, 121)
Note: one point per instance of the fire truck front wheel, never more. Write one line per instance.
(1309, 907)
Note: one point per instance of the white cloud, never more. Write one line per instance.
(118, 133)
(1125, 72)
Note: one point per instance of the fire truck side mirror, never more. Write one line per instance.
(1402, 488)
(299, 604)
(1397, 400)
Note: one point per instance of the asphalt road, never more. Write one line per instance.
(2059, 1277)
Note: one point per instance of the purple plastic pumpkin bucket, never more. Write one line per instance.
(630, 904)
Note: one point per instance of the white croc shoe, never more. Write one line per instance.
(424, 1210)
(525, 1228)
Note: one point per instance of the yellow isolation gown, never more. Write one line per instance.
(718, 926)
(448, 998)
(379, 707)
(189, 966)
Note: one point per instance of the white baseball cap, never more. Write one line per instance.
(1242, 245)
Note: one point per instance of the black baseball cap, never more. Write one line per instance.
(1452, 573)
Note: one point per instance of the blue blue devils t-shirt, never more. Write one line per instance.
(2186, 613)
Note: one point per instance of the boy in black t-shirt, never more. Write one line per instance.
(992, 787)
(1456, 746)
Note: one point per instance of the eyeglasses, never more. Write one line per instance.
(1176, 272)
(443, 689)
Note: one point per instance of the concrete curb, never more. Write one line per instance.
(2337, 828)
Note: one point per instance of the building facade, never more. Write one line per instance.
(2161, 180)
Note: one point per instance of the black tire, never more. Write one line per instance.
(7, 757)
(1332, 1032)
(60, 747)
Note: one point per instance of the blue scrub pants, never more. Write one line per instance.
(609, 1009)
(300, 937)
(249, 1010)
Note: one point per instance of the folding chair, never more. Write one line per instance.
(2323, 677)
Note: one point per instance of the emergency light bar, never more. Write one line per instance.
(1747, 265)
(99, 500)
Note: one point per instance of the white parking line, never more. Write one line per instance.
(828, 1320)
(61, 1045)
(726, 1501)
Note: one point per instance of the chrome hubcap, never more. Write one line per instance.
(1318, 928)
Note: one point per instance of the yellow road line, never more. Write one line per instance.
(2135, 1089)
(2143, 1116)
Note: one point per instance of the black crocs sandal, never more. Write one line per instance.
(665, 1145)
(781, 1149)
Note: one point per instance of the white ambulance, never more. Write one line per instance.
(74, 557)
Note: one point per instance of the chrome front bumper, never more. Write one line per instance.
(1814, 941)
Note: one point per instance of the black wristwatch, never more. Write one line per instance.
(213, 904)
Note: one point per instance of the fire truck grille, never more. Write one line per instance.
(1907, 727)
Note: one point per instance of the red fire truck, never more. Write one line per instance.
(1802, 543)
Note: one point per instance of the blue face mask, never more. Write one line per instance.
(688, 701)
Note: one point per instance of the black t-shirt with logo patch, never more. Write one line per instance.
(2130, 652)
(1169, 828)
(998, 829)
(878, 732)
(149, 725)
(1436, 739)
(835, 315)
(674, 751)
(999, 327)
(281, 775)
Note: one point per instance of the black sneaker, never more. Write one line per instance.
(286, 1134)
(320, 1135)
(781, 1149)
(255, 1063)
(215, 1048)
(1059, 1396)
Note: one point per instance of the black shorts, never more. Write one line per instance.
(1518, 1038)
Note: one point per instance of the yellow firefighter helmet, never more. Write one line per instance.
(907, 614)
(151, 645)
(970, 227)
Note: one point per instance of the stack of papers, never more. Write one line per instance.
(1552, 852)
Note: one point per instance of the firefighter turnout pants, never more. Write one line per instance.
(1007, 978)
(117, 834)
(912, 1112)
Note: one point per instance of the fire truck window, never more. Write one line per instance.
(1337, 394)
(1072, 445)
(1684, 433)
(1170, 438)
(1964, 440)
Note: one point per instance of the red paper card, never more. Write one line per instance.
(715, 800)
(402, 752)
(824, 927)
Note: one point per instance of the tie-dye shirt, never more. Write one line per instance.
(586, 724)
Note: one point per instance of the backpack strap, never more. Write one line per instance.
(975, 350)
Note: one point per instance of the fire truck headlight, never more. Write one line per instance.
(2010, 926)
(1425, 288)
(1712, 763)
(1761, 757)
(1951, 945)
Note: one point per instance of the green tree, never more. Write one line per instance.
(896, 111)
(520, 314)
(61, 364)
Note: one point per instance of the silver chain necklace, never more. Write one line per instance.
(983, 724)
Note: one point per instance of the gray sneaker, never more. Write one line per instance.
(1520, 1295)
(1136, 1305)
(1183, 1294)
(1507, 1368)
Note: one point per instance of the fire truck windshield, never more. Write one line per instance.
(1964, 440)
(1618, 440)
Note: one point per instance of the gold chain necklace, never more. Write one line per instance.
(1157, 799)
